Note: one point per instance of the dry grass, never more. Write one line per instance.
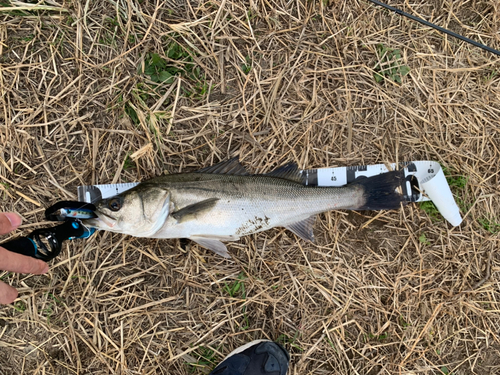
(272, 82)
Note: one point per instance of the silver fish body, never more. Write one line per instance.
(224, 202)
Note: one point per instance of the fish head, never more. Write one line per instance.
(139, 212)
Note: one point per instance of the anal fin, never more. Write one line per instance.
(304, 228)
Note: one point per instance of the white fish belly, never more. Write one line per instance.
(224, 220)
(235, 218)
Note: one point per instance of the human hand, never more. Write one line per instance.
(13, 262)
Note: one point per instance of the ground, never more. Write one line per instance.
(117, 91)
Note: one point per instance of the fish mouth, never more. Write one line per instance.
(102, 218)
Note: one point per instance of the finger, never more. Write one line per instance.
(7, 294)
(13, 262)
(9, 221)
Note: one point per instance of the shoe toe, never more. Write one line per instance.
(255, 358)
(277, 360)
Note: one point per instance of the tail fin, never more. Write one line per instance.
(380, 191)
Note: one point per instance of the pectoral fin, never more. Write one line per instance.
(213, 244)
(194, 210)
(304, 228)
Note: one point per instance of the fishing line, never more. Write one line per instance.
(439, 28)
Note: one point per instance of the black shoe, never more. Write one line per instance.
(259, 357)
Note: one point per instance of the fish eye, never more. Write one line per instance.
(114, 204)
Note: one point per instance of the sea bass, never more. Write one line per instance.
(224, 202)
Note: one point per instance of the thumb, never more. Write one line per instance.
(9, 221)
(7, 294)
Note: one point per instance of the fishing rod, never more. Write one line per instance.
(439, 28)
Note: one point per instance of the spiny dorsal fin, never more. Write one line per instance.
(288, 172)
(304, 228)
(193, 210)
(231, 166)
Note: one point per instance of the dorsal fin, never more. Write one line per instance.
(288, 171)
(231, 166)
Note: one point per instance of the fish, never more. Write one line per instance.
(224, 202)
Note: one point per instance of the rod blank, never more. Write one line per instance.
(439, 28)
